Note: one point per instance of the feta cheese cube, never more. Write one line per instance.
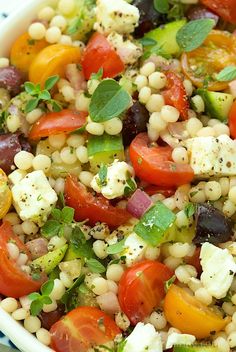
(218, 270)
(179, 339)
(116, 16)
(135, 248)
(143, 338)
(33, 197)
(16, 176)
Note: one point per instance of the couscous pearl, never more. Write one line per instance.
(82, 102)
(181, 196)
(22, 259)
(13, 123)
(66, 280)
(57, 140)
(114, 272)
(86, 178)
(229, 208)
(152, 253)
(58, 290)
(179, 250)
(182, 219)
(99, 286)
(66, 7)
(34, 115)
(213, 122)
(113, 126)
(29, 227)
(194, 284)
(153, 134)
(99, 248)
(180, 155)
(144, 94)
(37, 31)
(230, 328)
(46, 13)
(59, 21)
(75, 140)
(53, 35)
(65, 40)
(82, 154)
(68, 155)
(56, 242)
(147, 69)
(47, 308)
(9, 304)
(158, 320)
(95, 128)
(198, 103)
(169, 113)
(122, 321)
(157, 122)
(68, 93)
(18, 230)
(185, 272)
(206, 132)
(220, 129)
(212, 190)
(155, 103)
(112, 286)
(92, 86)
(44, 336)
(222, 344)
(4, 62)
(193, 126)
(12, 218)
(170, 203)
(229, 308)
(157, 80)
(203, 296)
(23, 160)
(188, 87)
(141, 81)
(232, 339)
(197, 195)
(172, 262)
(20, 314)
(234, 315)
(232, 181)
(32, 324)
(232, 194)
(224, 184)
(41, 162)
(13, 250)
(59, 185)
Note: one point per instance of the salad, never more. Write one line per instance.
(118, 176)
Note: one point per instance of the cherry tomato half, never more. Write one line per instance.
(57, 122)
(13, 281)
(100, 54)
(154, 164)
(223, 8)
(141, 289)
(93, 208)
(5, 195)
(232, 120)
(82, 329)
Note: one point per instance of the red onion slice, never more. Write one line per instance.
(139, 203)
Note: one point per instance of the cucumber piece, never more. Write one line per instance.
(217, 104)
(183, 234)
(104, 150)
(165, 37)
(195, 348)
(49, 261)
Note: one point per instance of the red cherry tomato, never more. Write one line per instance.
(90, 207)
(152, 189)
(223, 8)
(13, 281)
(154, 164)
(82, 329)
(141, 289)
(232, 120)
(57, 122)
(100, 54)
(175, 94)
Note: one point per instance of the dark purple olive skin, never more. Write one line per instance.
(200, 12)
(135, 121)
(149, 17)
(11, 79)
(48, 319)
(211, 225)
(10, 145)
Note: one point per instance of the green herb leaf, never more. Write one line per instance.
(145, 41)
(95, 266)
(81, 247)
(116, 248)
(227, 74)
(33, 296)
(36, 307)
(55, 105)
(47, 287)
(31, 105)
(190, 209)
(44, 95)
(30, 88)
(66, 298)
(67, 214)
(51, 81)
(102, 175)
(161, 6)
(51, 228)
(56, 214)
(109, 100)
(121, 346)
(97, 75)
(169, 282)
(193, 34)
(130, 187)
(75, 25)
(62, 199)
(46, 300)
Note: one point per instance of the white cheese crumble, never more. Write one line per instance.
(179, 339)
(218, 270)
(135, 249)
(33, 197)
(116, 16)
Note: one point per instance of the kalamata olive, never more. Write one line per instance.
(48, 319)
(11, 79)
(199, 12)
(211, 225)
(149, 17)
(135, 121)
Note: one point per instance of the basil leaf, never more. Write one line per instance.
(51, 81)
(109, 100)
(47, 287)
(161, 6)
(50, 228)
(36, 307)
(193, 34)
(95, 266)
(97, 75)
(102, 175)
(31, 105)
(190, 209)
(145, 41)
(116, 248)
(227, 74)
(67, 214)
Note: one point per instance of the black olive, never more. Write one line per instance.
(135, 121)
(211, 225)
(11, 79)
(199, 12)
(149, 17)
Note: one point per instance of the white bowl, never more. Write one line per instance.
(10, 29)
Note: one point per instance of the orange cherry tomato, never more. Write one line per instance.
(217, 52)
(82, 329)
(232, 120)
(5, 195)
(154, 164)
(141, 289)
(223, 8)
(13, 281)
(24, 50)
(51, 61)
(190, 316)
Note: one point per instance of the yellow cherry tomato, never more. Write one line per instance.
(5, 195)
(51, 61)
(24, 51)
(186, 313)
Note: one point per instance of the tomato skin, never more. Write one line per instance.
(141, 289)
(99, 54)
(14, 282)
(154, 164)
(90, 207)
(79, 330)
(225, 9)
(152, 189)
(189, 315)
(176, 95)
(232, 120)
(57, 122)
